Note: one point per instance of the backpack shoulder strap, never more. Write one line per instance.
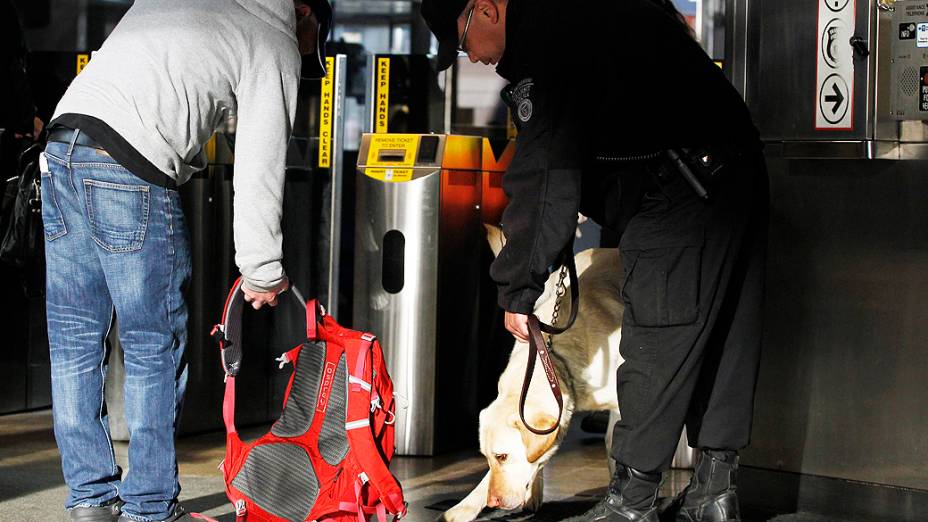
(228, 333)
(361, 400)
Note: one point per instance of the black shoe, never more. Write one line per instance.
(632, 497)
(712, 494)
(108, 512)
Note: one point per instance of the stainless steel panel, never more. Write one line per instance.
(406, 322)
(768, 491)
(842, 386)
(780, 46)
(736, 43)
(908, 92)
(885, 127)
(337, 176)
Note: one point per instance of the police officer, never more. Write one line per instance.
(622, 116)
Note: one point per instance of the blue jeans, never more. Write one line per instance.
(115, 243)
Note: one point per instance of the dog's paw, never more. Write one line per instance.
(460, 513)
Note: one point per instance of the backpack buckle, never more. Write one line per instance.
(218, 333)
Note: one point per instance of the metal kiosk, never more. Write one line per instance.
(420, 261)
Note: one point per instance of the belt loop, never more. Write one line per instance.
(74, 136)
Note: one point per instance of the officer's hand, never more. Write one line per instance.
(517, 324)
(269, 297)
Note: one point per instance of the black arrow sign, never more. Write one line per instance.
(837, 98)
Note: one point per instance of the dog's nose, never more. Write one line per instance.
(493, 501)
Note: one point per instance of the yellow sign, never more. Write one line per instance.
(388, 174)
(393, 150)
(326, 107)
(720, 64)
(82, 61)
(383, 95)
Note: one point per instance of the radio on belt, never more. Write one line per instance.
(910, 60)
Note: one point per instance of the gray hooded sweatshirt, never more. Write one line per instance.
(174, 71)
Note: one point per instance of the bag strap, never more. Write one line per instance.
(359, 355)
(315, 313)
(228, 333)
(538, 348)
(228, 406)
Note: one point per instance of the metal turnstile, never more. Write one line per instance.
(420, 267)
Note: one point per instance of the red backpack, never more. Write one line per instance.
(326, 458)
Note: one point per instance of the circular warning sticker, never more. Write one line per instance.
(833, 99)
(836, 5)
(835, 43)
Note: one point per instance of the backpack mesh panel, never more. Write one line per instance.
(333, 441)
(298, 413)
(280, 479)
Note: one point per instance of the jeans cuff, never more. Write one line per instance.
(172, 512)
(96, 503)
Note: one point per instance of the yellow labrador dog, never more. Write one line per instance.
(586, 357)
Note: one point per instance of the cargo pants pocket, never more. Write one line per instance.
(661, 286)
(118, 214)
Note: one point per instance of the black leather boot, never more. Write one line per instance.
(711, 495)
(632, 497)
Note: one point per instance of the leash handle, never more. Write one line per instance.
(538, 348)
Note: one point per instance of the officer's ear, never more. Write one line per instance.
(488, 10)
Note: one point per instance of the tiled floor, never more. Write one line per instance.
(31, 487)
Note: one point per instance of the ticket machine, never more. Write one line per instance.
(421, 265)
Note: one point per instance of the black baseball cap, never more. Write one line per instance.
(442, 18)
(314, 64)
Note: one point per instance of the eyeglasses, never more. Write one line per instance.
(470, 16)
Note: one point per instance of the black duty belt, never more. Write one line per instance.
(65, 135)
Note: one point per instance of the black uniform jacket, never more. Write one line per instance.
(621, 79)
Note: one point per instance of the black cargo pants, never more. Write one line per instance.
(693, 289)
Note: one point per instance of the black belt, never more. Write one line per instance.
(65, 135)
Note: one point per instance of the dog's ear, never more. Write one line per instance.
(496, 238)
(536, 445)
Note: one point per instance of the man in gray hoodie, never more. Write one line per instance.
(129, 130)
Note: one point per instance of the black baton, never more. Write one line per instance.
(687, 174)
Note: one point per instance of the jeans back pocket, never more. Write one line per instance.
(118, 214)
(52, 218)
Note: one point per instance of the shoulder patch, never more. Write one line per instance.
(522, 98)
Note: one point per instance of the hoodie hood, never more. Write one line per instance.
(279, 14)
